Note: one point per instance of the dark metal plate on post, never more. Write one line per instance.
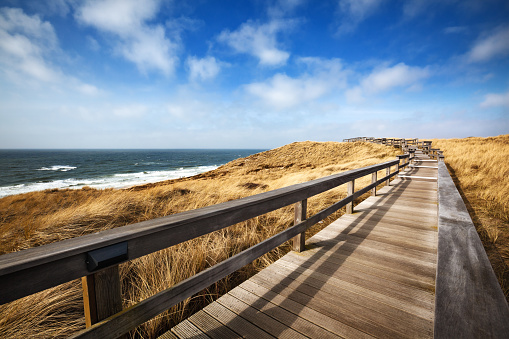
(106, 256)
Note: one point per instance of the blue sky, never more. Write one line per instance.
(249, 74)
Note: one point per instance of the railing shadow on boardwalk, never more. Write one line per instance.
(346, 248)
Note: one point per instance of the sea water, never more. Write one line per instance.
(24, 171)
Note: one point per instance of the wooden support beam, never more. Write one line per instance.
(351, 188)
(387, 172)
(299, 240)
(101, 295)
(373, 180)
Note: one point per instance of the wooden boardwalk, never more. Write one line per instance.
(368, 274)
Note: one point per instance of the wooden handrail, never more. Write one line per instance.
(469, 302)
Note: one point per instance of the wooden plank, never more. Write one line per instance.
(388, 238)
(168, 335)
(469, 300)
(399, 267)
(287, 318)
(388, 215)
(403, 229)
(421, 268)
(333, 309)
(370, 284)
(211, 326)
(269, 324)
(341, 263)
(322, 320)
(187, 330)
(237, 324)
(375, 242)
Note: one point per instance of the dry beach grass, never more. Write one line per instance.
(38, 218)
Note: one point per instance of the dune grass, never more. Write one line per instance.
(480, 169)
(39, 218)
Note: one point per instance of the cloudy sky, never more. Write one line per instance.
(249, 74)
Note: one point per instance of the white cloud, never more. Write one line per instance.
(282, 91)
(386, 78)
(490, 46)
(27, 44)
(455, 29)
(355, 11)
(259, 40)
(412, 8)
(282, 8)
(87, 89)
(93, 44)
(203, 69)
(495, 100)
(24, 43)
(131, 111)
(145, 45)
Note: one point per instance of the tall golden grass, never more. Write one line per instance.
(38, 218)
(480, 168)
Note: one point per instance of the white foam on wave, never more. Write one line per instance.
(121, 180)
(61, 168)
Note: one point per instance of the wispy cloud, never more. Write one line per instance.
(131, 111)
(27, 46)
(386, 78)
(282, 8)
(136, 40)
(353, 12)
(25, 41)
(259, 40)
(203, 69)
(492, 45)
(496, 100)
(283, 92)
(455, 29)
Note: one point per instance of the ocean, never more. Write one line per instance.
(23, 171)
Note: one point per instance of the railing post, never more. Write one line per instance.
(299, 241)
(101, 295)
(373, 180)
(397, 166)
(349, 206)
(387, 172)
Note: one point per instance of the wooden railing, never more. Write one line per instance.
(469, 302)
(95, 257)
(405, 144)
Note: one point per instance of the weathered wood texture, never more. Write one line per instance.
(102, 295)
(299, 240)
(370, 273)
(469, 300)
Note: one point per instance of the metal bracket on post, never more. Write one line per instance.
(101, 290)
(299, 241)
